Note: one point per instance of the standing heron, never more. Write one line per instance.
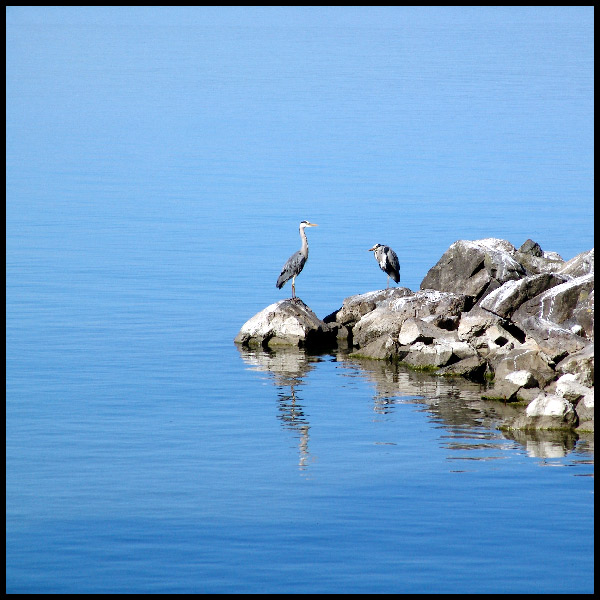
(388, 262)
(295, 263)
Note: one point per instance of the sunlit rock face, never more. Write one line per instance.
(474, 268)
(286, 323)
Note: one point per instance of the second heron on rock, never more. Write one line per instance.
(388, 262)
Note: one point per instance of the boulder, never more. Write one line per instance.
(355, 307)
(474, 268)
(570, 389)
(505, 300)
(503, 390)
(522, 378)
(428, 355)
(559, 303)
(547, 411)
(473, 367)
(418, 330)
(532, 248)
(474, 324)
(580, 364)
(535, 261)
(286, 323)
(552, 410)
(382, 348)
(376, 323)
(497, 336)
(522, 359)
(582, 264)
(391, 313)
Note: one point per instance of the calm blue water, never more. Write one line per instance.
(159, 161)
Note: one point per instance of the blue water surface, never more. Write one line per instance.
(159, 160)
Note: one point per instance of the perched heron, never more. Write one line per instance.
(388, 262)
(295, 263)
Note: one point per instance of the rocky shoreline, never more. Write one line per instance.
(520, 320)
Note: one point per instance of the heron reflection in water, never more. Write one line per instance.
(292, 416)
(288, 367)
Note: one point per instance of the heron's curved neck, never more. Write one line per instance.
(304, 248)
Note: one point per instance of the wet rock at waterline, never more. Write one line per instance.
(519, 320)
(287, 323)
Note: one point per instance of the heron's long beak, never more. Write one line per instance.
(371, 249)
(311, 224)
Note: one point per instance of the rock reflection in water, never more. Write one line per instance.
(471, 423)
(288, 366)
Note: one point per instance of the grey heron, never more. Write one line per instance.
(388, 262)
(295, 263)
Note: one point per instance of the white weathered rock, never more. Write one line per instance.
(286, 323)
(549, 316)
(376, 323)
(391, 313)
(471, 267)
(580, 364)
(355, 307)
(428, 355)
(582, 264)
(521, 378)
(413, 330)
(549, 406)
(570, 389)
(461, 350)
(474, 324)
(498, 337)
(505, 300)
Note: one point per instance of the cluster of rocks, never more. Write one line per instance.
(521, 320)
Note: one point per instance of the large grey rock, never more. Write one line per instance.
(524, 359)
(382, 348)
(418, 330)
(473, 367)
(474, 324)
(535, 261)
(547, 411)
(375, 324)
(555, 409)
(505, 300)
(532, 248)
(392, 312)
(582, 264)
(558, 303)
(474, 268)
(555, 319)
(355, 307)
(286, 323)
(580, 364)
(428, 355)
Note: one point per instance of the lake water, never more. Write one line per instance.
(159, 161)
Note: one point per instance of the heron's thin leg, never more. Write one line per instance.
(293, 286)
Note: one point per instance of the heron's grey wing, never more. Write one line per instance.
(293, 266)
(393, 264)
